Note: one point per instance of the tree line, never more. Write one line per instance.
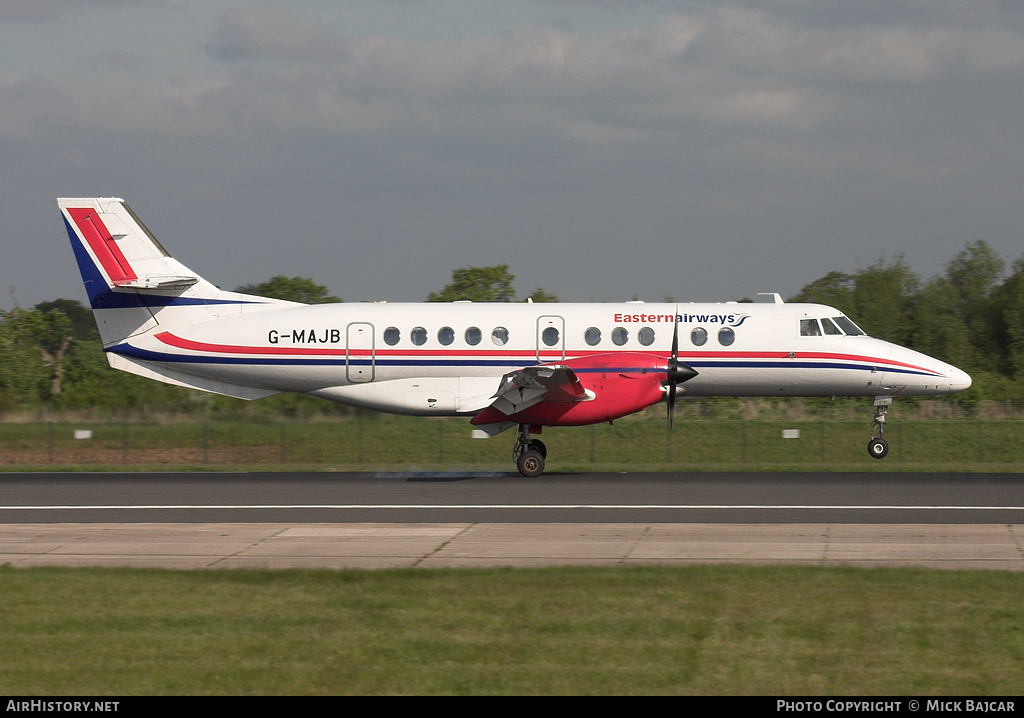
(971, 315)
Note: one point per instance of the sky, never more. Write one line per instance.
(602, 149)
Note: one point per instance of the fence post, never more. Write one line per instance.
(744, 432)
(822, 434)
(284, 446)
(360, 418)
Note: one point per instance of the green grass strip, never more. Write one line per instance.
(687, 630)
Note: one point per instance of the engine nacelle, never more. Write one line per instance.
(620, 384)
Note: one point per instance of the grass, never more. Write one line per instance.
(402, 443)
(580, 631)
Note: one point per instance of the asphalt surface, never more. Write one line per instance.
(366, 520)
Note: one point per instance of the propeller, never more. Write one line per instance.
(677, 372)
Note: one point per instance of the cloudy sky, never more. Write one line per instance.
(704, 151)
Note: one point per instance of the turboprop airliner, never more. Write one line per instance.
(504, 366)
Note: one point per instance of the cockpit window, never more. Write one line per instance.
(829, 328)
(809, 328)
(848, 327)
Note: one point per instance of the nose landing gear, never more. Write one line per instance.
(878, 447)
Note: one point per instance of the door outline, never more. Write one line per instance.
(546, 321)
(359, 338)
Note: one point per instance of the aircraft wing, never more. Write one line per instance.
(552, 384)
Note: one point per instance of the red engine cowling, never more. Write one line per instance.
(621, 383)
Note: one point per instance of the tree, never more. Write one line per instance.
(51, 334)
(23, 376)
(883, 299)
(538, 295)
(291, 289)
(835, 289)
(83, 325)
(974, 275)
(477, 284)
(1010, 297)
(938, 327)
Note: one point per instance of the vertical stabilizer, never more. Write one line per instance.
(133, 284)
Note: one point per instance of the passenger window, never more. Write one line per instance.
(645, 336)
(549, 336)
(446, 335)
(392, 336)
(499, 335)
(418, 336)
(473, 336)
(699, 336)
(809, 328)
(619, 336)
(830, 328)
(726, 336)
(592, 336)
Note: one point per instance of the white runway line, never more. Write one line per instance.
(363, 507)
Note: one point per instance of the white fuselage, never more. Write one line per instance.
(448, 359)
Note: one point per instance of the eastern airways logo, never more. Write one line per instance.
(729, 320)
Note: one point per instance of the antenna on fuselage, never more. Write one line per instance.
(776, 297)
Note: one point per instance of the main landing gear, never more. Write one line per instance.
(529, 454)
(878, 447)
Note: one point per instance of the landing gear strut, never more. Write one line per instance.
(529, 454)
(878, 447)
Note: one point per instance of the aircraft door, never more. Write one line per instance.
(360, 354)
(550, 338)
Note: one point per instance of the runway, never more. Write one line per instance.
(339, 520)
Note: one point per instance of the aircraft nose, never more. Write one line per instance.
(958, 380)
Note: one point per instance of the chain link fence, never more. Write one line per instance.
(369, 442)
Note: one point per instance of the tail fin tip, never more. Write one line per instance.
(113, 245)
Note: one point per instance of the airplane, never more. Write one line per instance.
(504, 366)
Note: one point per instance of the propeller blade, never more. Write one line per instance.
(676, 372)
(672, 369)
(674, 360)
(671, 404)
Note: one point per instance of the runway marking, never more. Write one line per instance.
(364, 507)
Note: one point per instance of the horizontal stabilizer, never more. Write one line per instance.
(157, 282)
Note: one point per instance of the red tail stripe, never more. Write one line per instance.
(102, 245)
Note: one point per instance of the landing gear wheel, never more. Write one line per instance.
(538, 446)
(878, 448)
(530, 463)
